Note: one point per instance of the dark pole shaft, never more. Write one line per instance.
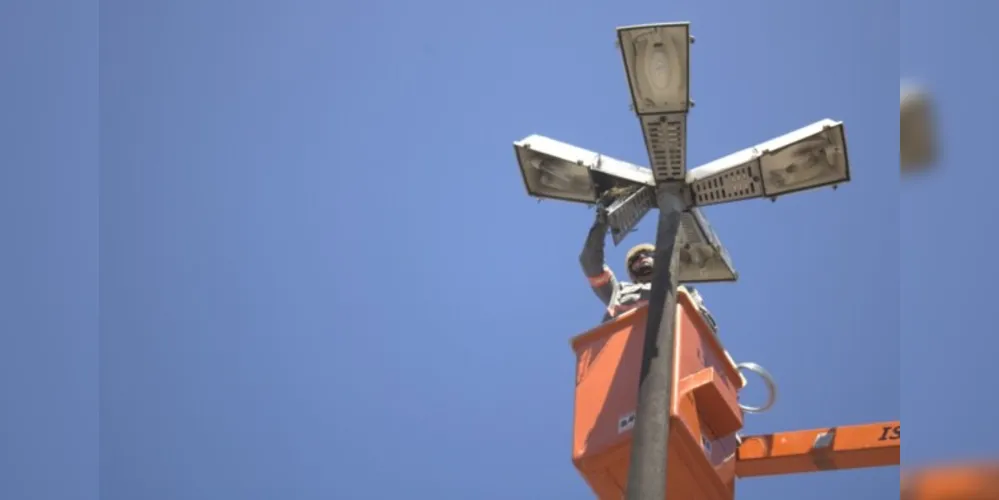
(650, 438)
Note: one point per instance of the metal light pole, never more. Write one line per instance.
(657, 64)
(656, 59)
(650, 437)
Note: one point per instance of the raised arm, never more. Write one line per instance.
(600, 276)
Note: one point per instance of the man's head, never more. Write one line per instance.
(639, 261)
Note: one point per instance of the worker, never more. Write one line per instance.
(619, 297)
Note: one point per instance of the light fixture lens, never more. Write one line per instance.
(655, 55)
(659, 70)
(556, 177)
(804, 165)
(548, 177)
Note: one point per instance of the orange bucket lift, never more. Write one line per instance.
(706, 453)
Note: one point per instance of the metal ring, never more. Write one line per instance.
(767, 379)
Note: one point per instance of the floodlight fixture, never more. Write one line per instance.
(657, 62)
(917, 144)
(560, 171)
(702, 257)
(810, 157)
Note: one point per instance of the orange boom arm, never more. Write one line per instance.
(847, 447)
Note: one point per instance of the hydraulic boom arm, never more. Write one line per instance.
(847, 447)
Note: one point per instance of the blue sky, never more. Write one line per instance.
(319, 275)
(947, 334)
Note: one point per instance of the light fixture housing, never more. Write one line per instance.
(810, 157)
(627, 210)
(560, 171)
(666, 141)
(702, 257)
(917, 144)
(657, 63)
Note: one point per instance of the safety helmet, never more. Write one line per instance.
(636, 251)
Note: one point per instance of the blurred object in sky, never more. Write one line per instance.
(978, 481)
(917, 138)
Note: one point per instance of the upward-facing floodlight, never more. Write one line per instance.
(657, 63)
(702, 256)
(916, 142)
(810, 157)
(560, 171)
